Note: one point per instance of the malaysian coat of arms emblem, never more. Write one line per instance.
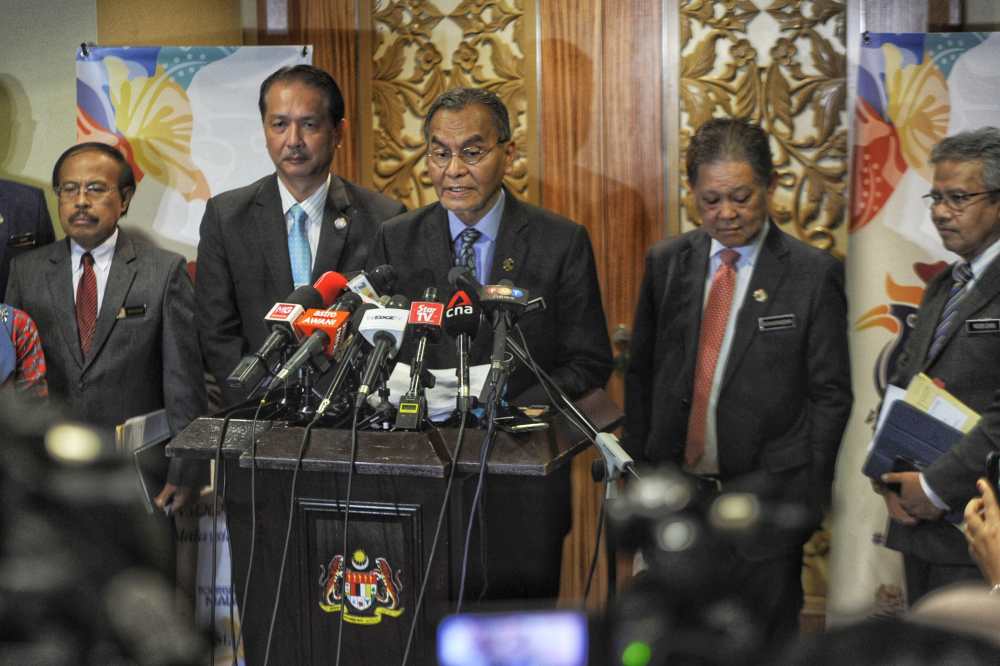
(371, 589)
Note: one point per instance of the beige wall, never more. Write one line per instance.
(174, 23)
(38, 42)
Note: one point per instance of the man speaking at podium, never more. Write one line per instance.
(479, 224)
(260, 242)
(739, 368)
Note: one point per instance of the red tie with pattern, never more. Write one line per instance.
(86, 303)
(713, 328)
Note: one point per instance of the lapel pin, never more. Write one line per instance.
(1, 219)
(760, 295)
(508, 264)
(340, 223)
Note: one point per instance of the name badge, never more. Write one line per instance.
(21, 241)
(131, 311)
(978, 326)
(776, 322)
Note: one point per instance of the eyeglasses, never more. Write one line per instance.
(472, 155)
(956, 201)
(92, 191)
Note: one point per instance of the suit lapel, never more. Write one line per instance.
(511, 247)
(984, 291)
(59, 276)
(437, 249)
(769, 271)
(120, 279)
(331, 239)
(693, 265)
(267, 228)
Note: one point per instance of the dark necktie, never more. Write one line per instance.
(86, 303)
(466, 254)
(961, 273)
(713, 329)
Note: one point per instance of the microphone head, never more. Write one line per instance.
(460, 277)
(383, 278)
(349, 302)
(399, 302)
(425, 313)
(307, 296)
(461, 315)
(330, 285)
(384, 320)
(330, 322)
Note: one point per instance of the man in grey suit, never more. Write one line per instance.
(261, 241)
(116, 316)
(739, 369)
(24, 224)
(480, 224)
(956, 342)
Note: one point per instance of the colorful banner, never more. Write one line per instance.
(186, 118)
(913, 90)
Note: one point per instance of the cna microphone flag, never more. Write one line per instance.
(186, 119)
(914, 89)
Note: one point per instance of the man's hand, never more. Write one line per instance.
(895, 509)
(173, 498)
(911, 495)
(982, 531)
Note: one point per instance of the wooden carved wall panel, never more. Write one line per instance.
(783, 65)
(413, 51)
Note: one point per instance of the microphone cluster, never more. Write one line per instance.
(343, 328)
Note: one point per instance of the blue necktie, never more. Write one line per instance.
(960, 275)
(466, 254)
(298, 247)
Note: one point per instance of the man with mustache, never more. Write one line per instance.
(260, 242)
(956, 342)
(115, 315)
(739, 370)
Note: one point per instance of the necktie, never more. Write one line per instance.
(86, 303)
(466, 255)
(961, 273)
(713, 328)
(298, 247)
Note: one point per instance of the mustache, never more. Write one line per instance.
(81, 216)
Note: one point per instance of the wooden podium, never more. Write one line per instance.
(397, 491)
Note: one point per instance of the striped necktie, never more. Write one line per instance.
(298, 247)
(961, 273)
(713, 329)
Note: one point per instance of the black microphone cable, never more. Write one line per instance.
(442, 512)
(347, 513)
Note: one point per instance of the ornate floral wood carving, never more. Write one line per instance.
(781, 64)
(418, 49)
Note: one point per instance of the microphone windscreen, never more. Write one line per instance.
(307, 296)
(383, 278)
(400, 302)
(330, 285)
(461, 315)
(349, 302)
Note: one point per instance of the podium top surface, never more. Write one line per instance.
(399, 453)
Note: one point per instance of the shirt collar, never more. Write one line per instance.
(102, 254)
(985, 258)
(488, 225)
(748, 252)
(313, 205)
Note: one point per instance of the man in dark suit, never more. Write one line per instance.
(24, 224)
(261, 241)
(956, 342)
(479, 224)
(116, 316)
(739, 368)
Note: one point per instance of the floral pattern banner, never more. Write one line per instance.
(185, 118)
(913, 90)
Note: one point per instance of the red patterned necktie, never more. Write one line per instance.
(86, 303)
(713, 328)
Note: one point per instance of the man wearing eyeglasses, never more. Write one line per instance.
(115, 315)
(261, 241)
(956, 342)
(480, 224)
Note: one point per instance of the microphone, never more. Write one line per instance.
(346, 355)
(424, 323)
(368, 286)
(460, 277)
(282, 315)
(383, 329)
(324, 329)
(461, 321)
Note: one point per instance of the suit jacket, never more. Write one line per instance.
(24, 224)
(968, 366)
(537, 250)
(243, 264)
(786, 393)
(140, 361)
